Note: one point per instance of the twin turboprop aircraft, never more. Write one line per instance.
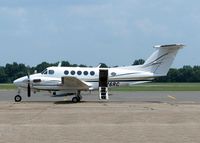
(72, 80)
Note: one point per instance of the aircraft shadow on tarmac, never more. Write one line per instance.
(153, 101)
(66, 102)
(70, 102)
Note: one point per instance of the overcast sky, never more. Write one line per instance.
(115, 32)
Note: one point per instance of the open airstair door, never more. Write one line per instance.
(103, 84)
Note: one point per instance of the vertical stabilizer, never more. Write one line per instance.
(161, 60)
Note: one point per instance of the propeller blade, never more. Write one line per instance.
(28, 75)
(28, 87)
(29, 90)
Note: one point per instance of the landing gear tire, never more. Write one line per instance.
(18, 98)
(75, 99)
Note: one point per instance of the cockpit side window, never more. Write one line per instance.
(44, 71)
(51, 72)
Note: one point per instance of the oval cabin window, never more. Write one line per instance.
(66, 72)
(79, 72)
(72, 72)
(92, 73)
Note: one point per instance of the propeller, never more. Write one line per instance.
(29, 86)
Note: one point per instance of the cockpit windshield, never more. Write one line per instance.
(44, 71)
(49, 72)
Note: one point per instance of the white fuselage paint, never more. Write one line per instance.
(50, 79)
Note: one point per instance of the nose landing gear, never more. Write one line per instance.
(18, 97)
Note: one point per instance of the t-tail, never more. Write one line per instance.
(161, 60)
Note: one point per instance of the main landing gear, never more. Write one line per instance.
(77, 98)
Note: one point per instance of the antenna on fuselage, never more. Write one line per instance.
(99, 65)
(59, 64)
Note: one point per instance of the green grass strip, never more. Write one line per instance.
(140, 87)
(160, 87)
(7, 87)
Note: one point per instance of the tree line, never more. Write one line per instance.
(185, 74)
(10, 72)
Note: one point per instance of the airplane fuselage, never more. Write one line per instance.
(50, 78)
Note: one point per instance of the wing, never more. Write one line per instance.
(74, 83)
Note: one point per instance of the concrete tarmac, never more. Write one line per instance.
(147, 117)
(141, 96)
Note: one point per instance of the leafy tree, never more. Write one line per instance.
(44, 65)
(81, 65)
(138, 62)
(14, 71)
(184, 74)
(74, 65)
(171, 76)
(65, 64)
(3, 76)
(196, 74)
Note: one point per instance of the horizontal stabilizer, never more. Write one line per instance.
(171, 46)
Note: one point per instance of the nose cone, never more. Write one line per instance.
(20, 82)
(17, 82)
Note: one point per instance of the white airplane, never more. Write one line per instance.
(72, 80)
